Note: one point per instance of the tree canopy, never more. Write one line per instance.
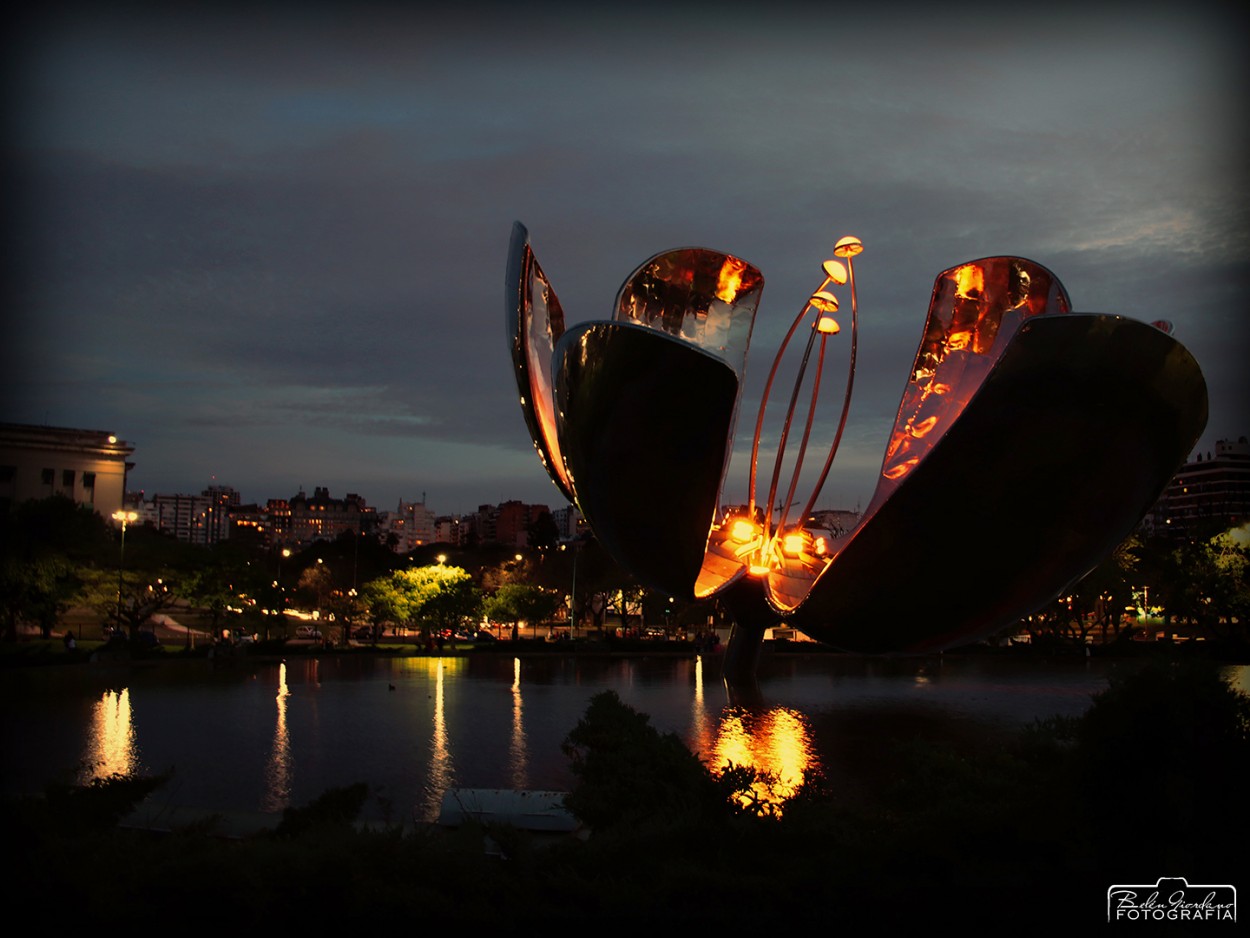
(517, 602)
(428, 597)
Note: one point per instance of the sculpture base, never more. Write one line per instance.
(745, 602)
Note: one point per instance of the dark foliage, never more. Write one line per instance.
(101, 803)
(627, 771)
(1161, 758)
(335, 807)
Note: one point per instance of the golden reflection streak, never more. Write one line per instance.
(700, 725)
(279, 768)
(776, 743)
(518, 756)
(111, 744)
(440, 752)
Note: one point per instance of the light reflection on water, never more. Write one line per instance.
(517, 756)
(110, 748)
(775, 743)
(281, 766)
(414, 727)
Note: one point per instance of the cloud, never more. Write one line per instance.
(234, 232)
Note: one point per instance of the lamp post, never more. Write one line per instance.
(286, 552)
(573, 595)
(125, 517)
(281, 610)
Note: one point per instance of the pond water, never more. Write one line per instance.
(260, 736)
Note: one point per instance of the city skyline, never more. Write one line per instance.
(269, 252)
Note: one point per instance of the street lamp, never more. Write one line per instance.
(573, 595)
(125, 517)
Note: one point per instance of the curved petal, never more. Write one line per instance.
(1069, 440)
(535, 321)
(644, 424)
(974, 311)
(704, 297)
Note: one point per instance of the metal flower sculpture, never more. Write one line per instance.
(1029, 441)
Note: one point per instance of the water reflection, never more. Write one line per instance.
(280, 765)
(441, 772)
(491, 722)
(701, 729)
(776, 743)
(110, 746)
(518, 757)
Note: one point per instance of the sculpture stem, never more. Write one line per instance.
(846, 399)
(759, 420)
(785, 434)
(807, 432)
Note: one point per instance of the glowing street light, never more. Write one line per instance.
(125, 517)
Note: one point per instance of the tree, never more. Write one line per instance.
(346, 608)
(43, 546)
(627, 772)
(315, 584)
(517, 602)
(132, 601)
(427, 597)
(1206, 583)
(1097, 600)
(211, 588)
(1166, 742)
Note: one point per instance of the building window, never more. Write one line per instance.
(7, 473)
(67, 478)
(48, 475)
(88, 480)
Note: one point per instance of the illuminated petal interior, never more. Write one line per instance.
(975, 310)
(702, 296)
(535, 323)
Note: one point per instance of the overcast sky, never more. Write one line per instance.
(268, 248)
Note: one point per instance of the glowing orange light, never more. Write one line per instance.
(920, 429)
(820, 547)
(758, 570)
(897, 472)
(969, 281)
(742, 531)
(959, 341)
(729, 281)
(824, 301)
(835, 271)
(793, 544)
(848, 247)
(828, 325)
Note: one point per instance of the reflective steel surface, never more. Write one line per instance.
(1068, 442)
(704, 297)
(1029, 441)
(645, 430)
(535, 322)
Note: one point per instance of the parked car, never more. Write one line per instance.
(308, 632)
